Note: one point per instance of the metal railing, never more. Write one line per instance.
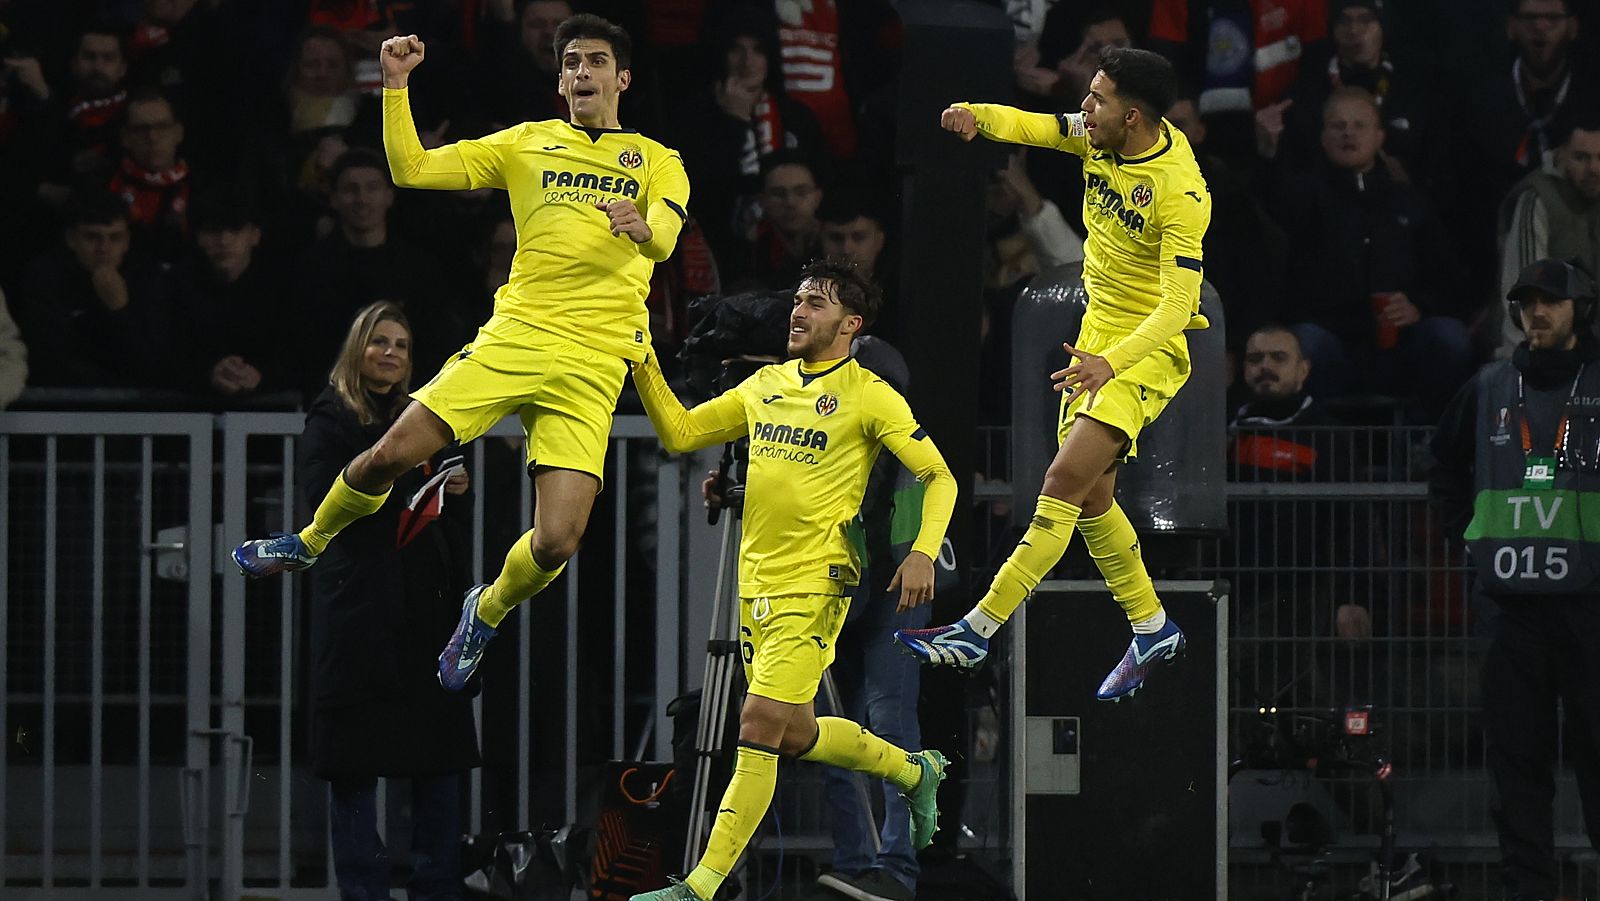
(123, 618)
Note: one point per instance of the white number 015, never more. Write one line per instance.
(1510, 563)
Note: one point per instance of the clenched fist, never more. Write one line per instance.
(625, 220)
(961, 121)
(398, 56)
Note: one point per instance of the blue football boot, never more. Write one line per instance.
(464, 650)
(1144, 652)
(284, 552)
(957, 644)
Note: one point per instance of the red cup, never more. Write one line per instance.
(1388, 332)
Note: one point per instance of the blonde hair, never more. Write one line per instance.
(346, 375)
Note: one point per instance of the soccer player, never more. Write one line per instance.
(816, 424)
(556, 349)
(1146, 209)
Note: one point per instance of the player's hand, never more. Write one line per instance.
(1090, 374)
(398, 56)
(961, 121)
(1401, 311)
(1269, 128)
(625, 220)
(914, 579)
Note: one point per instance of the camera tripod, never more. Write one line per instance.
(724, 662)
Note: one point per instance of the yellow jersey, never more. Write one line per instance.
(814, 436)
(1146, 217)
(570, 275)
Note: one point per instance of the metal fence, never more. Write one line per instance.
(154, 699)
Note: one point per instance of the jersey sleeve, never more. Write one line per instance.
(681, 430)
(1059, 131)
(890, 422)
(461, 166)
(1184, 211)
(669, 205)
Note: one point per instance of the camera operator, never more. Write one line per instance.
(1518, 461)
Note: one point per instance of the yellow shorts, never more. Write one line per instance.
(564, 393)
(1133, 399)
(786, 642)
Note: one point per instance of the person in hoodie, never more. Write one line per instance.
(1374, 300)
(1517, 462)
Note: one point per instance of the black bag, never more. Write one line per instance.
(526, 866)
(755, 324)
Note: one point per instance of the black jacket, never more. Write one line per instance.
(379, 617)
(1450, 480)
(1352, 235)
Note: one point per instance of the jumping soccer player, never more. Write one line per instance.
(564, 327)
(816, 424)
(1146, 209)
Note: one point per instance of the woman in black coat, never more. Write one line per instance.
(380, 612)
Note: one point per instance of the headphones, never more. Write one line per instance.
(1583, 301)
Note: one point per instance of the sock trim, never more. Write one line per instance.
(812, 745)
(763, 748)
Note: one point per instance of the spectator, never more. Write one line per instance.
(520, 61)
(152, 178)
(13, 357)
(1371, 268)
(81, 144)
(382, 603)
(853, 228)
(321, 90)
(1538, 566)
(1244, 249)
(1361, 59)
(93, 314)
(1060, 74)
(788, 234)
(235, 352)
(177, 46)
(811, 48)
(727, 131)
(1552, 215)
(1275, 374)
(360, 262)
(1242, 56)
(1027, 232)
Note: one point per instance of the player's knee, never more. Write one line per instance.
(1064, 485)
(553, 546)
(385, 461)
(762, 726)
(1096, 504)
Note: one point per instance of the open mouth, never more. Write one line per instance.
(583, 93)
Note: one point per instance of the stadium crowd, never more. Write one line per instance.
(193, 195)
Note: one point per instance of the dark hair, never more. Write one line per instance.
(225, 208)
(149, 94)
(95, 208)
(357, 158)
(1586, 120)
(790, 156)
(1146, 80)
(592, 27)
(1278, 328)
(754, 22)
(101, 28)
(1515, 7)
(855, 291)
(847, 204)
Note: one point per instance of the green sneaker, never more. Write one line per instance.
(675, 891)
(923, 800)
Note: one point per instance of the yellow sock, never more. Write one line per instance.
(1115, 548)
(844, 744)
(521, 578)
(1040, 549)
(755, 775)
(341, 506)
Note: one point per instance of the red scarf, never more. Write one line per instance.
(768, 124)
(99, 112)
(154, 198)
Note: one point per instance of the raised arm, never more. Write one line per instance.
(1058, 131)
(681, 430)
(454, 167)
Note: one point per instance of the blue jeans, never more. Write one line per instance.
(878, 686)
(360, 860)
(1431, 360)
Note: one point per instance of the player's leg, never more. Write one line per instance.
(1089, 449)
(359, 490)
(564, 500)
(843, 743)
(1114, 546)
